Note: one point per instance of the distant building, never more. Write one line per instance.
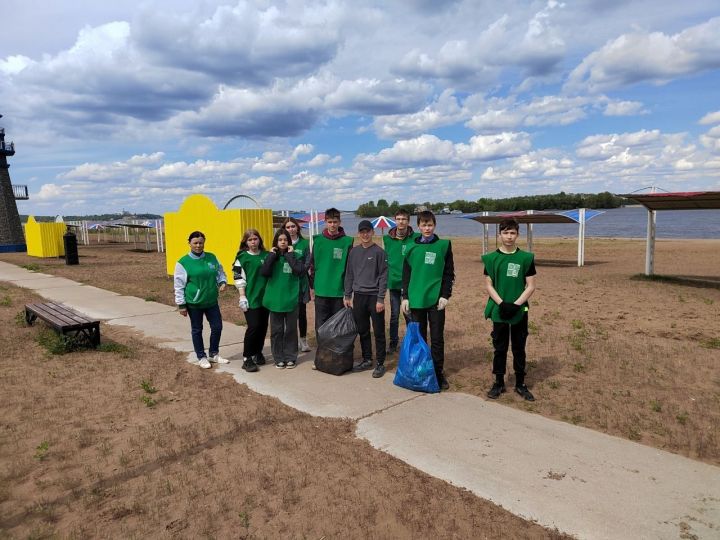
(420, 208)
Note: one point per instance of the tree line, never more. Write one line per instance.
(557, 201)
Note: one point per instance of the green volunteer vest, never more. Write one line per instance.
(301, 247)
(427, 262)
(201, 289)
(282, 288)
(330, 258)
(507, 271)
(255, 281)
(396, 250)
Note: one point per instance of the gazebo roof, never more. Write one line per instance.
(689, 200)
(568, 216)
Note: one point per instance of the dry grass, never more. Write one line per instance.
(633, 358)
(84, 454)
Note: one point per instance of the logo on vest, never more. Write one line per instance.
(430, 257)
(286, 268)
(337, 253)
(513, 270)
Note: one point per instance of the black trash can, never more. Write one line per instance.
(71, 248)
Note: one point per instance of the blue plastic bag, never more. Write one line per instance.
(416, 370)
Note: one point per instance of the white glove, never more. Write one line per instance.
(442, 303)
(405, 305)
(244, 305)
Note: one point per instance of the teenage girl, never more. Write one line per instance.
(251, 286)
(282, 270)
(302, 251)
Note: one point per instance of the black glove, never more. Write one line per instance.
(508, 310)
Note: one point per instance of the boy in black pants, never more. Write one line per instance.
(365, 285)
(510, 282)
(428, 276)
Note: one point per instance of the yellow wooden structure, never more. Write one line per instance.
(223, 230)
(44, 239)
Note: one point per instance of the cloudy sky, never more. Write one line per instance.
(306, 104)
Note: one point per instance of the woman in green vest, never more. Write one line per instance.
(283, 270)
(251, 286)
(301, 246)
(197, 279)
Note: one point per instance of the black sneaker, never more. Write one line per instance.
(497, 389)
(249, 365)
(363, 366)
(524, 392)
(379, 371)
(443, 382)
(259, 359)
(392, 348)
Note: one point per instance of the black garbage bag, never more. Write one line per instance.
(336, 343)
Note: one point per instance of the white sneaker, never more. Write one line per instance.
(204, 363)
(217, 359)
(304, 347)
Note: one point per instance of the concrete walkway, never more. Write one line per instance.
(580, 481)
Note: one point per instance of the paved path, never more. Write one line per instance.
(581, 481)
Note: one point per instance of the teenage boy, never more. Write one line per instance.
(365, 285)
(428, 276)
(327, 262)
(396, 242)
(510, 282)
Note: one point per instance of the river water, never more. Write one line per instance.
(628, 222)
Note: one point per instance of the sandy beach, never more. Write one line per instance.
(632, 358)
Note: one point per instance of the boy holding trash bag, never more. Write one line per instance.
(428, 276)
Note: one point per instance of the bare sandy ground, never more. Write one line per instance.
(132, 441)
(632, 358)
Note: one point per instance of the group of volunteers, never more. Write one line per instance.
(415, 269)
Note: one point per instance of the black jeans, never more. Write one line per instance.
(395, 301)
(435, 318)
(196, 328)
(302, 319)
(257, 325)
(283, 336)
(504, 334)
(326, 307)
(364, 311)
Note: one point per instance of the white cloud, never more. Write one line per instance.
(444, 111)
(279, 111)
(50, 192)
(710, 118)
(624, 108)
(711, 139)
(243, 42)
(14, 64)
(320, 160)
(428, 150)
(649, 56)
(373, 96)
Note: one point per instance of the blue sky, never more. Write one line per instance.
(305, 104)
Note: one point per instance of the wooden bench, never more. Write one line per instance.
(67, 321)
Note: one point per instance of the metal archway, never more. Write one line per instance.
(240, 197)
